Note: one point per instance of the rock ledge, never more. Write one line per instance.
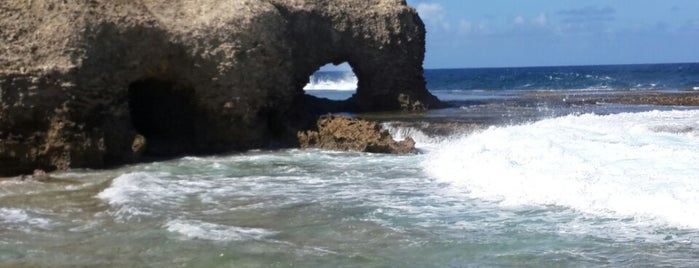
(351, 134)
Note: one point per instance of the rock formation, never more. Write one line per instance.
(93, 83)
(350, 134)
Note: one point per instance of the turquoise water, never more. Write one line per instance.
(577, 190)
(505, 177)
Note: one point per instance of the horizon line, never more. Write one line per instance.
(536, 66)
(559, 65)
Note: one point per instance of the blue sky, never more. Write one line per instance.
(505, 33)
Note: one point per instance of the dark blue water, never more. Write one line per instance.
(614, 77)
(446, 82)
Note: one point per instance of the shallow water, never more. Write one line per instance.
(619, 189)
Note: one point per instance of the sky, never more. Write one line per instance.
(514, 33)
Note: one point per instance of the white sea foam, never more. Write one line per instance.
(140, 193)
(209, 231)
(423, 141)
(123, 188)
(13, 215)
(420, 137)
(347, 82)
(21, 219)
(637, 166)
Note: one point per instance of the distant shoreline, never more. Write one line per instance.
(624, 97)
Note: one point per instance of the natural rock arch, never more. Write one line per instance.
(384, 49)
(77, 78)
(336, 82)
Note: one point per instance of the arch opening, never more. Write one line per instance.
(163, 112)
(333, 81)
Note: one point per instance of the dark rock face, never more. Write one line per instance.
(350, 134)
(99, 83)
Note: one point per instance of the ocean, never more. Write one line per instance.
(522, 170)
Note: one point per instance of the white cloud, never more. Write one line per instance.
(541, 20)
(590, 19)
(483, 26)
(465, 26)
(430, 10)
(433, 13)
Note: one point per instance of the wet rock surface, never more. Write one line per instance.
(680, 98)
(351, 134)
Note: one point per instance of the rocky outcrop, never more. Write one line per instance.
(98, 83)
(342, 133)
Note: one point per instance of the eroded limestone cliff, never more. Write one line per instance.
(93, 83)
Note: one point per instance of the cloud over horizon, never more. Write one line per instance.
(544, 32)
(588, 14)
(587, 19)
(433, 13)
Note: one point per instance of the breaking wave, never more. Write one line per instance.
(637, 166)
(342, 81)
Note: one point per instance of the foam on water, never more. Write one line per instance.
(421, 138)
(140, 194)
(425, 140)
(636, 166)
(22, 219)
(195, 229)
(346, 82)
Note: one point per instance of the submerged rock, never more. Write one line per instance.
(100, 83)
(351, 134)
(38, 175)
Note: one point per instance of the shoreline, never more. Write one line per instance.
(660, 98)
(442, 123)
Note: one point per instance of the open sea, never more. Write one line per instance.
(504, 177)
